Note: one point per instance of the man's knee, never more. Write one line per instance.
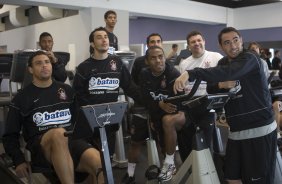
(90, 161)
(234, 181)
(175, 120)
(54, 136)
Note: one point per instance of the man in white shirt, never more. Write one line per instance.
(203, 59)
(200, 58)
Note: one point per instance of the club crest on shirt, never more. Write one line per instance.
(62, 94)
(163, 83)
(113, 65)
(207, 64)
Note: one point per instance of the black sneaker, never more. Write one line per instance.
(128, 180)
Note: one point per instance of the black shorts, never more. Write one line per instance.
(251, 160)
(76, 147)
(139, 129)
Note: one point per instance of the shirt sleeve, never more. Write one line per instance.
(12, 133)
(129, 87)
(236, 70)
(79, 85)
(59, 71)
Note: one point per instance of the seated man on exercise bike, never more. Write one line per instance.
(43, 110)
(156, 83)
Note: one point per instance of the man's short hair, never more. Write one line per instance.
(108, 13)
(174, 45)
(193, 33)
(227, 30)
(37, 53)
(152, 48)
(253, 43)
(44, 34)
(91, 36)
(153, 34)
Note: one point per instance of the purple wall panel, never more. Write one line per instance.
(140, 28)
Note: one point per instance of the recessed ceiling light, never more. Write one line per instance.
(239, 0)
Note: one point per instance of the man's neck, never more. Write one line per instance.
(198, 55)
(100, 56)
(42, 83)
(109, 29)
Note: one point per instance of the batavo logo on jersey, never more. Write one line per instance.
(158, 97)
(236, 88)
(107, 83)
(52, 118)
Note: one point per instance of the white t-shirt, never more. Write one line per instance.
(207, 60)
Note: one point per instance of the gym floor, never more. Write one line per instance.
(118, 173)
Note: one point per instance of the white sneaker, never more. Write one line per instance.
(166, 172)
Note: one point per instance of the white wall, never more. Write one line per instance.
(182, 10)
(70, 32)
(263, 16)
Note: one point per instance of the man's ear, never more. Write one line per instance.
(92, 45)
(146, 62)
(30, 69)
(220, 47)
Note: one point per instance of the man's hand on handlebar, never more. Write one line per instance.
(22, 170)
(226, 84)
(168, 107)
(179, 84)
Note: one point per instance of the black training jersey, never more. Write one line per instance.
(35, 110)
(113, 40)
(138, 65)
(157, 88)
(98, 81)
(250, 107)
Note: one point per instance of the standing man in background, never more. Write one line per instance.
(267, 59)
(185, 53)
(110, 18)
(276, 61)
(171, 58)
(46, 43)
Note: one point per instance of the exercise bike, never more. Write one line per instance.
(199, 167)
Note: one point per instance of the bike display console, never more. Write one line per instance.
(99, 116)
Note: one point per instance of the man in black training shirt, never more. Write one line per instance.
(44, 111)
(156, 84)
(98, 79)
